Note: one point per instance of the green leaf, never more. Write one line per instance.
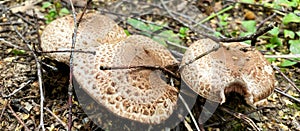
(289, 33)
(167, 35)
(287, 3)
(274, 42)
(248, 1)
(223, 19)
(270, 5)
(271, 60)
(142, 26)
(286, 63)
(64, 11)
(281, 4)
(18, 52)
(291, 17)
(294, 46)
(138, 24)
(245, 33)
(249, 25)
(46, 5)
(234, 33)
(183, 31)
(154, 27)
(274, 31)
(217, 34)
(57, 5)
(223, 23)
(298, 33)
(127, 32)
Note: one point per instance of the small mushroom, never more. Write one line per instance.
(93, 30)
(138, 94)
(234, 67)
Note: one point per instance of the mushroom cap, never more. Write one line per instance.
(93, 30)
(229, 69)
(137, 94)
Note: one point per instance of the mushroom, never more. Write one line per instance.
(93, 30)
(234, 67)
(138, 94)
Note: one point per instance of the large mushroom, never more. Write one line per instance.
(138, 94)
(93, 30)
(234, 67)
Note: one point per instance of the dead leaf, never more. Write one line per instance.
(287, 102)
(283, 127)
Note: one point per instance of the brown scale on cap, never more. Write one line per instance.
(229, 69)
(138, 93)
(94, 29)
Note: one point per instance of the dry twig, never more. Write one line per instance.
(74, 35)
(287, 95)
(251, 37)
(243, 117)
(164, 69)
(289, 56)
(39, 74)
(16, 90)
(188, 109)
(11, 44)
(3, 109)
(286, 78)
(70, 87)
(17, 117)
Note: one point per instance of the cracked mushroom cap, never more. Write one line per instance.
(137, 94)
(232, 68)
(93, 30)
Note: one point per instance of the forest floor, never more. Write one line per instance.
(180, 22)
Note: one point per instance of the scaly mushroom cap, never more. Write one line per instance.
(94, 29)
(229, 69)
(138, 94)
